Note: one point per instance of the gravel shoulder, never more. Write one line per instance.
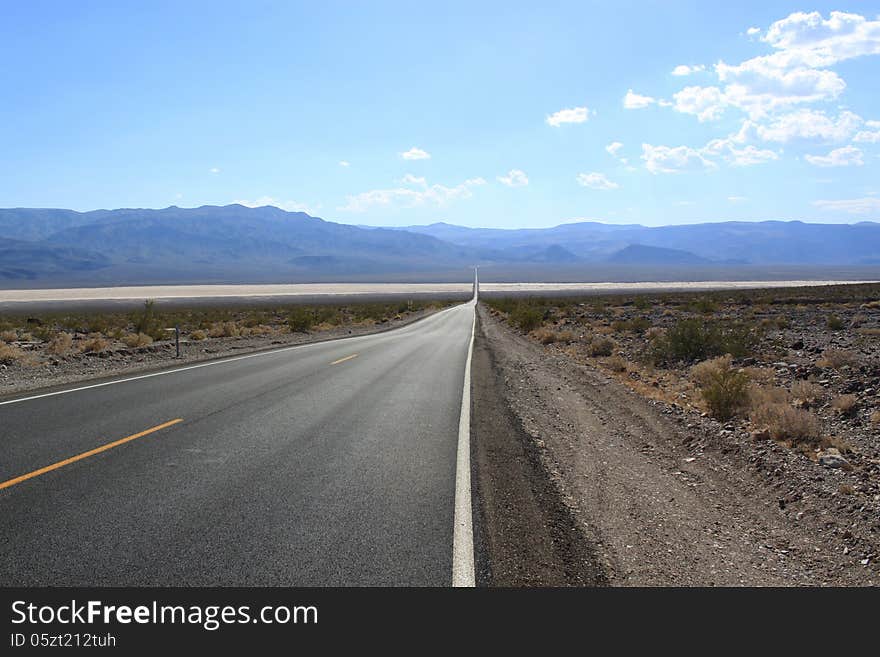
(95, 366)
(656, 500)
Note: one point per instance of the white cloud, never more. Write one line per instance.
(805, 45)
(573, 115)
(870, 205)
(635, 101)
(514, 178)
(706, 103)
(410, 179)
(764, 84)
(214, 170)
(744, 157)
(684, 69)
(415, 154)
(810, 124)
(753, 31)
(289, 206)
(666, 159)
(867, 137)
(613, 149)
(407, 197)
(737, 199)
(839, 157)
(344, 163)
(747, 156)
(820, 42)
(596, 181)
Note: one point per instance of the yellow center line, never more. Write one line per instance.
(85, 455)
(342, 360)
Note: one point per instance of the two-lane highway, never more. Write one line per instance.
(325, 464)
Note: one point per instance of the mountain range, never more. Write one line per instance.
(234, 243)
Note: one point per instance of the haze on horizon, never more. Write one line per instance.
(499, 115)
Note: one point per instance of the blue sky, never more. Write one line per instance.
(480, 114)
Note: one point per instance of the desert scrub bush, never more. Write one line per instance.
(875, 418)
(807, 392)
(834, 323)
(635, 325)
(300, 320)
(10, 354)
(785, 423)
(60, 343)
(764, 395)
(566, 336)
(695, 339)
(94, 345)
(137, 340)
(641, 303)
(601, 347)
(857, 321)
(527, 318)
(837, 358)
(9, 336)
(724, 390)
(546, 336)
(845, 404)
(704, 305)
(224, 330)
(198, 334)
(148, 322)
(616, 363)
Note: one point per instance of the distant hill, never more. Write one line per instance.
(639, 254)
(233, 243)
(209, 244)
(741, 242)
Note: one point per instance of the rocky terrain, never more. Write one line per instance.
(782, 479)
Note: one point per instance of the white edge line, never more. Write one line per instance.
(463, 573)
(223, 361)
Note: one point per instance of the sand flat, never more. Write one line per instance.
(372, 289)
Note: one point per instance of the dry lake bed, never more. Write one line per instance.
(34, 299)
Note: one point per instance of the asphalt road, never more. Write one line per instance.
(324, 464)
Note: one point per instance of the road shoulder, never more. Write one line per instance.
(527, 536)
(657, 511)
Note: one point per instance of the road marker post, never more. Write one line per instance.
(176, 330)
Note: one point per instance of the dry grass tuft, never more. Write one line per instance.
(845, 404)
(545, 336)
(807, 392)
(724, 389)
(10, 354)
(137, 340)
(785, 423)
(875, 418)
(601, 347)
(837, 358)
(224, 330)
(198, 334)
(94, 345)
(8, 336)
(616, 363)
(60, 343)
